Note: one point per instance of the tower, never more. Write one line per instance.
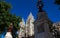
(21, 32)
(41, 24)
(30, 25)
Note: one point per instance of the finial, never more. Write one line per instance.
(40, 5)
(39, 0)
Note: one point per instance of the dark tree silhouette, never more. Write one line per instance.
(57, 2)
(6, 17)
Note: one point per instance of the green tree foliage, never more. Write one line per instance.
(6, 17)
(57, 2)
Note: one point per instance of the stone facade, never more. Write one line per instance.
(21, 32)
(30, 25)
(42, 27)
(41, 24)
(56, 30)
(57, 25)
(27, 30)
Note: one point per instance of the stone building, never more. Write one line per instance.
(57, 25)
(27, 30)
(41, 24)
(30, 25)
(21, 32)
(56, 30)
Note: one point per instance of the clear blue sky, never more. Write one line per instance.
(22, 8)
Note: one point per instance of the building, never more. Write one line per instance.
(21, 32)
(30, 25)
(27, 30)
(56, 30)
(57, 25)
(42, 23)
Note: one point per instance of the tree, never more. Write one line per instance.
(57, 2)
(6, 17)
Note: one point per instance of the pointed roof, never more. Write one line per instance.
(30, 16)
(23, 21)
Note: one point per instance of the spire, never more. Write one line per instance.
(40, 5)
(23, 21)
(30, 16)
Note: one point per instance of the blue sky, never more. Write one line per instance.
(22, 8)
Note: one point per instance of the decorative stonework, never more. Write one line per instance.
(21, 32)
(41, 24)
(56, 29)
(30, 25)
